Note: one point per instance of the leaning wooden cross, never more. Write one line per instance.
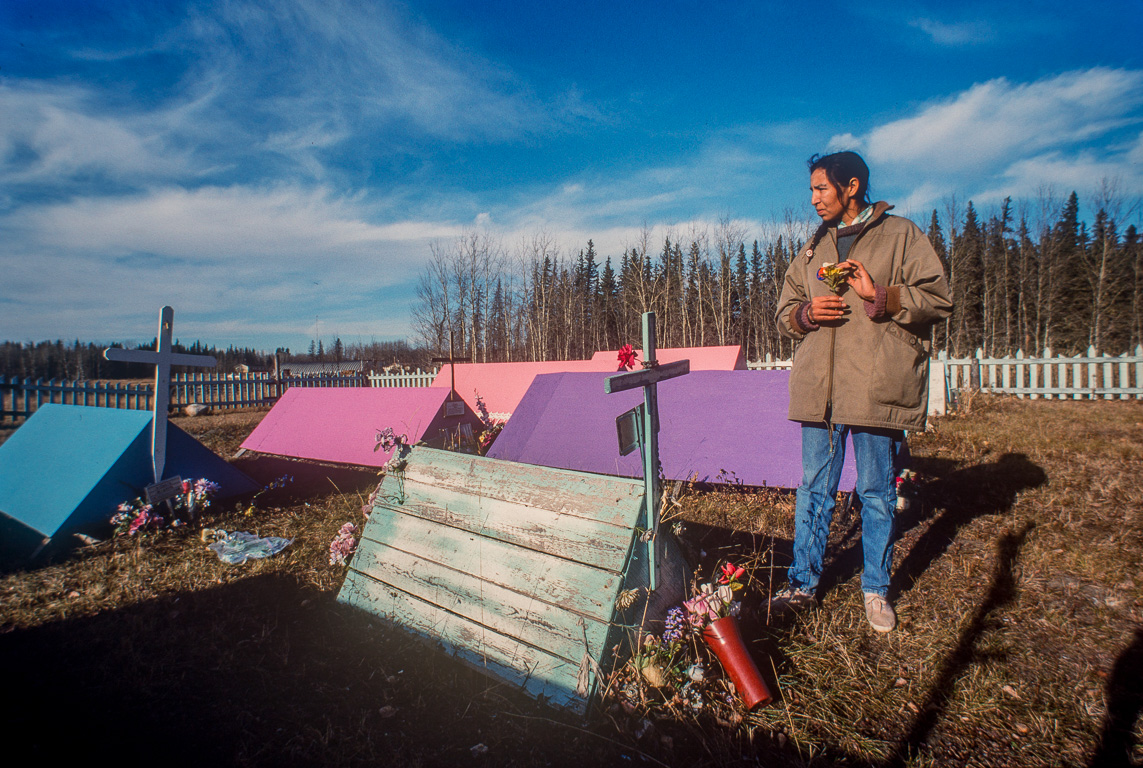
(646, 421)
(162, 358)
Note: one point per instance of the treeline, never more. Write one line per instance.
(1025, 276)
(380, 353)
(77, 361)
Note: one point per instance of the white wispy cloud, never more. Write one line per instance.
(276, 254)
(1007, 138)
(996, 120)
(359, 64)
(55, 133)
(959, 33)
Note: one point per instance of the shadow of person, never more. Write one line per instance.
(1124, 705)
(964, 495)
(1001, 591)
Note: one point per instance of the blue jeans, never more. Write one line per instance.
(876, 452)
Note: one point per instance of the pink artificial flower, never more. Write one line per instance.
(702, 607)
(627, 355)
(140, 520)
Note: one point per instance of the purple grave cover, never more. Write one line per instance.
(715, 426)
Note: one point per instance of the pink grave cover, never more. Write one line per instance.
(502, 385)
(341, 425)
(728, 358)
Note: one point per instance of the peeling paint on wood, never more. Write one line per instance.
(512, 568)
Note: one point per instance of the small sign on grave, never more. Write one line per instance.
(627, 425)
(157, 493)
(454, 408)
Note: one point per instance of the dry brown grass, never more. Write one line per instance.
(1017, 580)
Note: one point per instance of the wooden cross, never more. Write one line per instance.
(452, 360)
(163, 358)
(648, 378)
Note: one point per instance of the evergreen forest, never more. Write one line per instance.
(1027, 275)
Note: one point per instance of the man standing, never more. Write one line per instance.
(859, 299)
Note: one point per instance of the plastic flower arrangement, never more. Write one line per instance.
(833, 276)
(627, 357)
(137, 516)
(482, 409)
(714, 602)
(492, 426)
(343, 545)
(279, 482)
(672, 670)
(388, 440)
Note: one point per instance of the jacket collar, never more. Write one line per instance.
(880, 209)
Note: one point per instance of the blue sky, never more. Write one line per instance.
(277, 171)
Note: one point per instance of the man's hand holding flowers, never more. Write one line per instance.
(859, 280)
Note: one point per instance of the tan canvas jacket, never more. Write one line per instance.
(861, 371)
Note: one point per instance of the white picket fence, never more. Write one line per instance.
(418, 379)
(19, 398)
(1084, 377)
(769, 364)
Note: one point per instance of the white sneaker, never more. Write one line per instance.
(879, 612)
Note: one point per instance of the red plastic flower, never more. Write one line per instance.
(731, 573)
(627, 355)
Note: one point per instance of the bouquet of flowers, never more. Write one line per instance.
(833, 275)
(714, 602)
(138, 516)
(492, 426)
(388, 440)
(676, 664)
(343, 546)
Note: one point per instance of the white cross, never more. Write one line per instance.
(162, 359)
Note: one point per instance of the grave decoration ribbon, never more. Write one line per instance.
(627, 357)
(833, 275)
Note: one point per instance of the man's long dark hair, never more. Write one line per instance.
(840, 167)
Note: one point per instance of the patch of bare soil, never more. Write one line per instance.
(1016, 577)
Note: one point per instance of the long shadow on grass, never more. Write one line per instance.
(1124, 705)
(962, 495)
(200, 678)
(1001, 591)
(262, 671)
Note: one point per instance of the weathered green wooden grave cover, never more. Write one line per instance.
(515, 569)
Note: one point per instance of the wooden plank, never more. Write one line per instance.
(596, 543)
(612, 500)
(536, 671)
(621, 382)
(558, 630)
(561, 582)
